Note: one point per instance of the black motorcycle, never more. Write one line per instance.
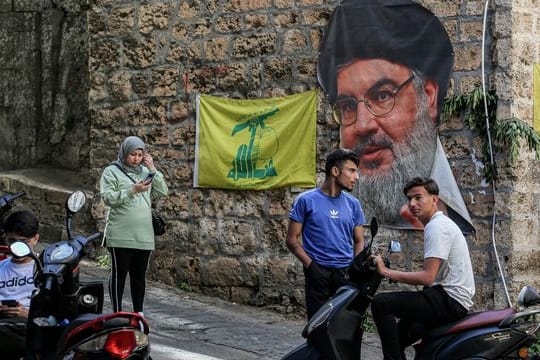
(65, 320)
(336, 330)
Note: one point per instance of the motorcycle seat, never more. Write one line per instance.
(471, 321)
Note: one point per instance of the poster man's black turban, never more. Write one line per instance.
(399, 31)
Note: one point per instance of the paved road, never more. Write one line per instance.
(191, 326)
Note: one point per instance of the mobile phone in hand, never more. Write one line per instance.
(149, 178)
(10, 303)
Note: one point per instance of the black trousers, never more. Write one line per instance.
(135, 263)
(427, 308)
(12, 337)
(320, 284)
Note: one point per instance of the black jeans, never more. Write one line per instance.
(321, 283)
(134, 262)
(429, 307)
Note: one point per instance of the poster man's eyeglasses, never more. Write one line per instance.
(379, 102)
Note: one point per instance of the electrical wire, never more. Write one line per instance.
(491, 157)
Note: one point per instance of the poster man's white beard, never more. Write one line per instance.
(381, 193)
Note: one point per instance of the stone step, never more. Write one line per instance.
(46, 192)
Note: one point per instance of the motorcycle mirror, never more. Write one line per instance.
(394, 247)
(75, 201)
(20, 249)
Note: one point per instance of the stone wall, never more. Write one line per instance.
(43, 84)
(148, 60)
(517, 26)
(111, 68)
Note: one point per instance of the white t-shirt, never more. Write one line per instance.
(16, 281)
(443, 240)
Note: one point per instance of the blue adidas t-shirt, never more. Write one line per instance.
(328, 226)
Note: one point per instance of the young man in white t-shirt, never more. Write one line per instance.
(447, 276)
(16, 285)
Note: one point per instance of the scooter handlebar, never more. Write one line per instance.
(7, 199)
(93, 237)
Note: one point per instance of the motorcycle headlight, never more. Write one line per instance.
(61, 252)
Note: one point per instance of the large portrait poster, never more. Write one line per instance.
(385, 67)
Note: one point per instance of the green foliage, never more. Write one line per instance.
(185, 286)
(104, 261)
(368, 324)
(505, 134)
(535, 348)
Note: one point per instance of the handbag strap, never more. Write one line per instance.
(130, 178)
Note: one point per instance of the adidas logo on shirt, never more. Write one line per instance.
(334, 214)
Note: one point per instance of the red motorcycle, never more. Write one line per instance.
(65, 318)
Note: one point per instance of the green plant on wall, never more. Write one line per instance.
(505, 133)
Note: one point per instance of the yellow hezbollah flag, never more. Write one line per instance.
(256, 144)
(536, 97)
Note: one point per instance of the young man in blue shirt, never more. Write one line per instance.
(329, 220)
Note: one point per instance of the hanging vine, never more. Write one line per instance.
(505, 134)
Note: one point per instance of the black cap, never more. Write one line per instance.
(400, 31)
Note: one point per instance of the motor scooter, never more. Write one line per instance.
(65, 320)
(336, 330)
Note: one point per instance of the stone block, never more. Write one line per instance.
(255, 21)
(164, 82)
(228, 24)
(188, 271)
(121, 21)
(216, 49)
(223, 272)
(181, 31)
(317, 17)
(254, 45)
(182, 174)
(241, 295)
(154, 17)
(278, 68)
(232, 78)
(188, 10)
(442, 9)
(202, 27)
(467, 58)
(277, 272)
(286, 20)
(251, 267)
(104, 55)
(274, 235)
(242, 6)
(293, 41)
(471, 31)
(140, 53)
(250, 205)
(240, 237)
(119, 85)
(146, 113)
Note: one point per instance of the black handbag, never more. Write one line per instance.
(157, 221)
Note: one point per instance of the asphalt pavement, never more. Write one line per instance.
(185, 325)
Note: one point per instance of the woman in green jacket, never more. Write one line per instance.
(129, 235)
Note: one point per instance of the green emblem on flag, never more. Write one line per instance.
(256, 144)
